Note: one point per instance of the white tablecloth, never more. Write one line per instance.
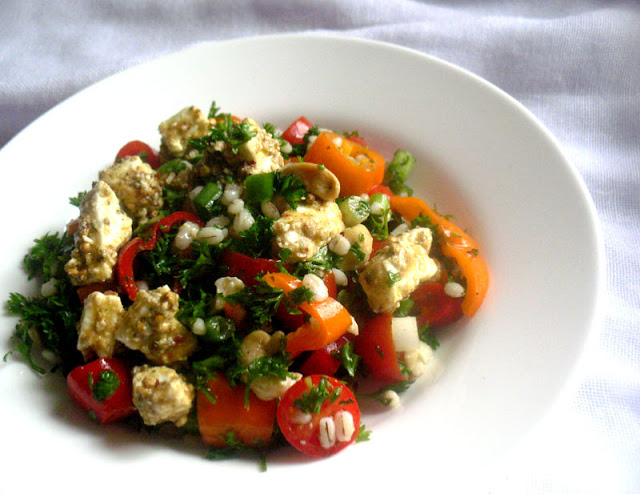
(574, 64)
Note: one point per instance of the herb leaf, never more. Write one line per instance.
(107, 384)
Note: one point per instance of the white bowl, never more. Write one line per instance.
(482, 157)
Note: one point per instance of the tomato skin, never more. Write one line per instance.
(296, 131)
(374, 344)
(117, 406)
(436, 308)
(305, 436)
(139, 148)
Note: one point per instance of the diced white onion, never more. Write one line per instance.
(405, 333)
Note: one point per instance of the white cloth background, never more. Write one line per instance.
(574, 64)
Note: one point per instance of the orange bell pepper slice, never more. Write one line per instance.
(252, 422)
(455, 244)
(329, 318)
(357, 167)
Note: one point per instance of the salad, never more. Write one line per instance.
(248, 285)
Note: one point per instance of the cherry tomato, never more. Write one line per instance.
(436, 308)
(296, 131)
(382, 189)
(139, 148)
(374, 344)
(356, 138)
(103, 388)
(319, 415)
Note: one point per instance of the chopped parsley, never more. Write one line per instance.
(311, 401)
(77, 200)
(104, 387)
(226, 130)
(47, 257)
(261, 302)
(291, 188)
(234, 447)
(47, 321)
(301, 294)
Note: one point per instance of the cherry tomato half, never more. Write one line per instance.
(296, 131)
(319, 415)
(139, 148)
(103, 388)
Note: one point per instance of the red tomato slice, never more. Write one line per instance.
(311, 408)
(296, 131)
(139, 148)
(102, 388)
(374, 344)
(436, 307)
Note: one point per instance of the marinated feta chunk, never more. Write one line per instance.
(304, 230)
(261, 153)
(188, 123)
(397, 269)
(103, 227)
(161, 395)
(179, 176)
(150, 326)
(101, 316)
(137, 186)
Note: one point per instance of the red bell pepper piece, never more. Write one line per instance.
(128, 253)
(247, 268)
(374, 344)
(103, 388)
(296, 131)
